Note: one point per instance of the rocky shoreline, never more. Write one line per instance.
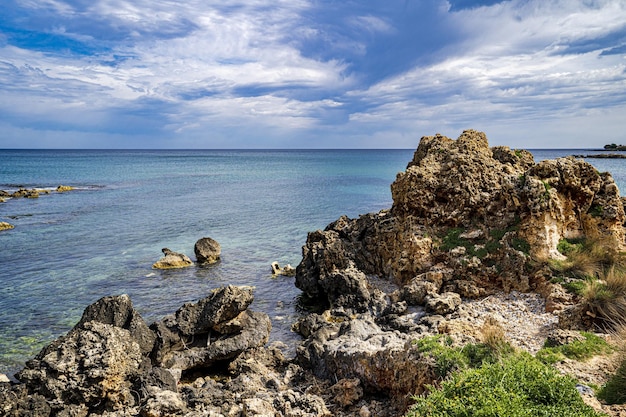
(469, 244)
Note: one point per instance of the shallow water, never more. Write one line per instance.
(69, 249)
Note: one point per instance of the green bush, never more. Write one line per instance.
(517, 386)
(614, 391)
(578, 350)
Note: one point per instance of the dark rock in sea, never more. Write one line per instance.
(207, 250)
(172, 260)
(26, 193)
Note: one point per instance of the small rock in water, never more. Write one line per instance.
(286, 270)
(207, 250)
(172, 260)
(6, 226)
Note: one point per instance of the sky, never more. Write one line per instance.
(255, 74)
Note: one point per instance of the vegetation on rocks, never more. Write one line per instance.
(518, 385)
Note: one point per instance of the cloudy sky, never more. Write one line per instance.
(310, 73)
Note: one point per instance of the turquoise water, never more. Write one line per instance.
(69, 249)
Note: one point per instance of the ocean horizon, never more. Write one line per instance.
(67, 250)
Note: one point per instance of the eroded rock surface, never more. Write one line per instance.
(172, 260)
(207, 250)
(467, 214)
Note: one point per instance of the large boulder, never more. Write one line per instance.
(207, 250)
(93, 366)
(216, 328)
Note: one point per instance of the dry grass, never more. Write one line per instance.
(605, 299)
(492, 335)
(579, 264)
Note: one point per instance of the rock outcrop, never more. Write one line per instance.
(172, 260)
(467, 221)
(465, 218)
(206, 359)
(207, 250)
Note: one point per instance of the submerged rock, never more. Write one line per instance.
(6, 226)
(172, 260)
(286, 270)
(63, 188)
(207, 250)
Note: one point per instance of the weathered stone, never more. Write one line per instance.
(92, 365)
(63, 188)
(286, 270)
(119, 311)
(172, 260)
(382, 360)
(347, 391)
(6, 226)
(16, 401)
(255, 332)
(222, 305)
(443, 304)
(560, 337)
(207, 250)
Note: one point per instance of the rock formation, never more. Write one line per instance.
(6, 226)
(286, 270)
(206, 359)
(465, 218)
(172, 260)
(207, 250)
(467, 221)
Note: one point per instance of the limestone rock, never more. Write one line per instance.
(6, 226)
(119, 311)
(443, 304)
(464, 207)
(172, 260)
(286, 270)
(63, 188)
(207, 250)
(92, 365)
(382, 360)
(223, 304)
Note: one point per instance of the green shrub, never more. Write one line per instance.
(517, 386)
(614, 391)
(578, 350)
(521, 245)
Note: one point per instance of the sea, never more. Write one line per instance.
(69, 249)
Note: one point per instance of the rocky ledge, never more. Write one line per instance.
(468, 250)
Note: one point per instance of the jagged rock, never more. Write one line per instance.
(119, 311)
(383, 361)
(461, 206)
(172, 260)
(207, 250)
(443, 304)
(91, 365)
(222, 305)
(560, 337)
(286, 270)
(16, 401)
(6, 226)
(255, 333)
(347, 391)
